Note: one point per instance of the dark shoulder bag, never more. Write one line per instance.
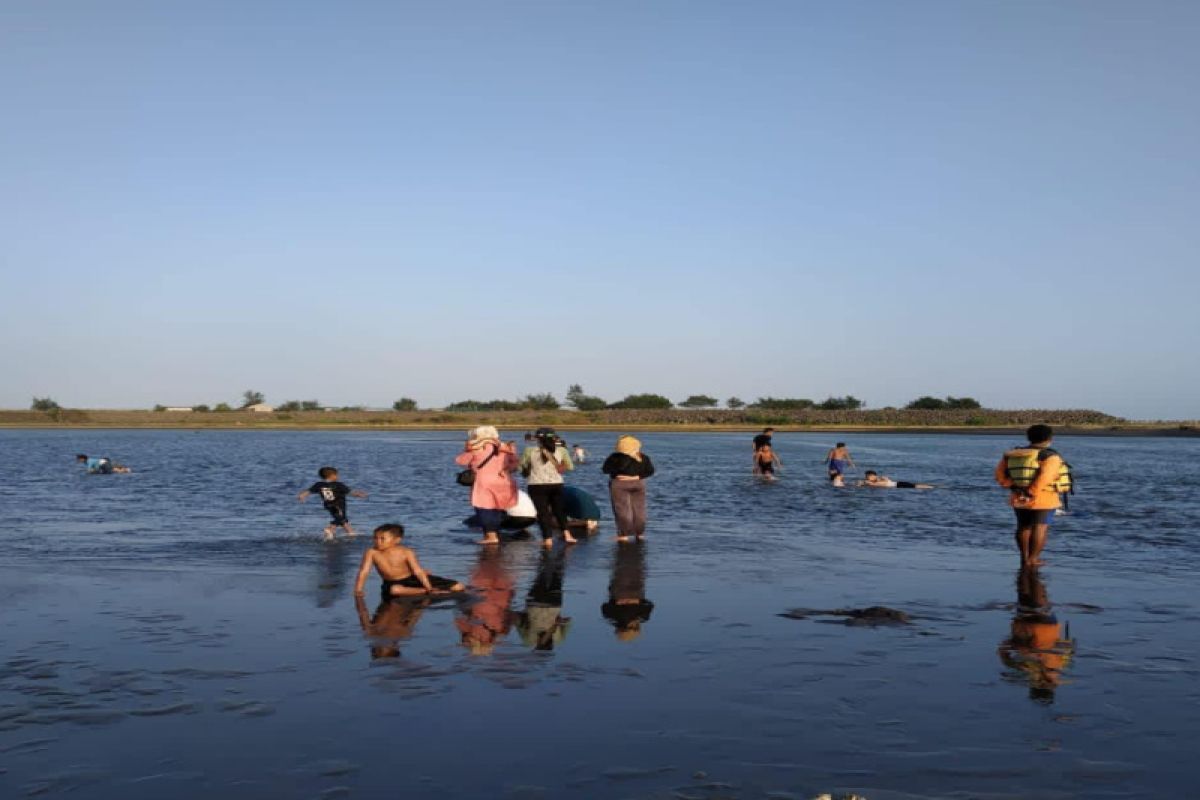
(467, 476)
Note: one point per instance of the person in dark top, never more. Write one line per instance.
(627, 607)
(333, 494)
(763, 439)
(627, 470)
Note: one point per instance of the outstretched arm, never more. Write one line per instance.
(364, 569)
(358, 493)
(304, 495)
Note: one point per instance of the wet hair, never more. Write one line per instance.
(870, 472)
(394, 528)
(1039, 433)
(768, 430)
(327, 472)
(840, 444)
(80, 457)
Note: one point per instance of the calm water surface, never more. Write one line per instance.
(182, 631)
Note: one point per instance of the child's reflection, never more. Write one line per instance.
(1037, 652)
(627, 607)
(542, 624)
(394, 620)
(490, 617)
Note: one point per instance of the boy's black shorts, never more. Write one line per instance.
(412, 582)
(1033, 516)
(338, 514)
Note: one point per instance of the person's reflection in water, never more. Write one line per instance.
(542, 624)
(335, 566)
(490, 617)
(1037, 652)
(627, 607)
(394, 620)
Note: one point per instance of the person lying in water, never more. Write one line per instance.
(876, 481)
(399, 568)
(101, 465)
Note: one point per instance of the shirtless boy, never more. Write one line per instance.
(766, 462)
(838, 459)
(399, 569)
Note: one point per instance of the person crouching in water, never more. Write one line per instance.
(399, 568)
(543, 467)
(1032, 474)
(627, 470)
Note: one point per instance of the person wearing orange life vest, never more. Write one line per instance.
(1032, 474)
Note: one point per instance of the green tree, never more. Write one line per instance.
(201, 409)
(699, 401)
(160, 407)
(643, 401)
(847, 403)
(962, 402)
(251, 398)
(404, 404)
(782, 403)
(310, 405)
(222, 407)
(44, 404)
(927, 402)
(583, 401)
(735, 403)
(540, 402)
(288, 406)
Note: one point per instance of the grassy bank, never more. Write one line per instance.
(889, 420)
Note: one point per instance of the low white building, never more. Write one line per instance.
(260, 408)
(178, 408)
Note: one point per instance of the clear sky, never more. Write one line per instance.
(357, 201)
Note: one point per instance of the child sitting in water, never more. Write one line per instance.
(877, 481)
(398, 567)
(766, 462)
(333, 493)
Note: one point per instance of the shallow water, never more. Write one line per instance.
(182, 629)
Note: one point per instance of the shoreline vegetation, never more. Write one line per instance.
(514, 423)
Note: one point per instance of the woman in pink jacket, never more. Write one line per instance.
(494, 490)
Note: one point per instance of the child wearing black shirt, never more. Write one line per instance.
(333, 493)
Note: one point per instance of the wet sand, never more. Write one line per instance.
(187, 658)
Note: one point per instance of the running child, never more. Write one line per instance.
(333, 494)
(399, 568)
(766, 461)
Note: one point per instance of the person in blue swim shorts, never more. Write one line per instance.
(838, 459)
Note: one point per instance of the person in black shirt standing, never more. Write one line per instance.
(627, 468)
(333, 493)
(763, 439)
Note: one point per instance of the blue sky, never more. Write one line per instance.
(360, 201)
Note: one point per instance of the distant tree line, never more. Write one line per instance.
(580, 400)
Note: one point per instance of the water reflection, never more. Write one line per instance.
(490, 617)
(394, 620)
(1038, 651)
(335, 565)
(541, 624)
(627, 607)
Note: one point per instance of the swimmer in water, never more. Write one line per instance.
(766, 461)
(838, 459)
(874, 480)
(399, 568)
(101, 465)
